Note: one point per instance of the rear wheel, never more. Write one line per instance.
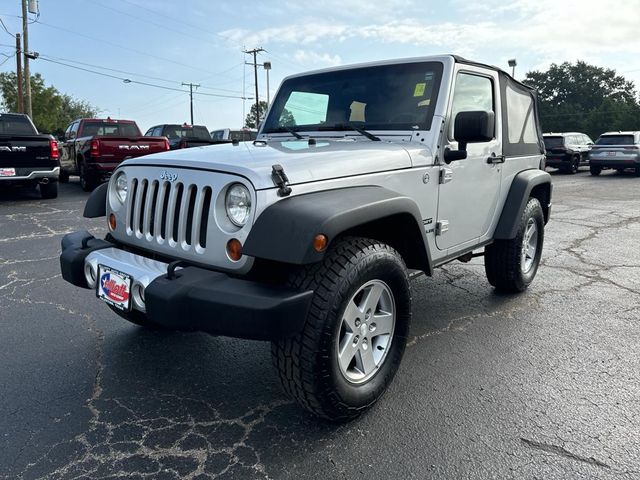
(575, 165)
(49, 190)
(86, 182)
(595, 171)
(356, 330)
(512, 264)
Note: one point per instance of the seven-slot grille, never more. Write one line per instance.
(175, 213)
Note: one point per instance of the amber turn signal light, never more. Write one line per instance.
(234, 249)
(112, 221)
(320, 242)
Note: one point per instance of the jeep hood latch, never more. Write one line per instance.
(281, 180)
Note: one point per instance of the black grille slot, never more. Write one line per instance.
(205, 216)
(154, 200)
(176, 209)
(132, 201)
(191, 198)
(165, 210)
(143, 201)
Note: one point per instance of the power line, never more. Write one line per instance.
(6, 29)
(137, 82)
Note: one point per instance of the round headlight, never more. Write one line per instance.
(120, 187)
(238, 204)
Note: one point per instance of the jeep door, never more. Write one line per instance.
(467, 201)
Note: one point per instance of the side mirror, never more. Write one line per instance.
(470, 127)
(474, 127)
(71, 135)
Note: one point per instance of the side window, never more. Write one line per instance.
(157, 132)
(520, 118)
(149, 132)
(74, 127)
(471, 93)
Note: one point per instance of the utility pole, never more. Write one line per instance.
(25, 51)
(19, 74)
(191, 85)
(255, 52)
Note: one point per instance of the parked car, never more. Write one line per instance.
(306, 236)
(26, 156)
(182, 136)
(619, 150)
(567, 151)
(93, 148)
(229, 135)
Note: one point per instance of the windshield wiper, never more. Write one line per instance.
(360, 130)
(293, 132)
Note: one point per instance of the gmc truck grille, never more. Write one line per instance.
(166, 212)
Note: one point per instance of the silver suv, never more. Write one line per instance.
(306, 237)
(567, 151)
(619, 150)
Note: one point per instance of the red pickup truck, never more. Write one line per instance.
(92, 148)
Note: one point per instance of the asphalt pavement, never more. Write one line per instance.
(544, 384)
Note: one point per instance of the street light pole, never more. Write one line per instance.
(267, 67)
(513, 63)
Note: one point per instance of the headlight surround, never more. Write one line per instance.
(238, 204)
(120, 187)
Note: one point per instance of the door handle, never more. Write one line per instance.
(493, 159)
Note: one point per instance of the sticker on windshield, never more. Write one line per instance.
(357, 111)
(419, 91)
(424, 103)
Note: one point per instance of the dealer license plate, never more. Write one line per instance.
(114, 287)
(7, 172)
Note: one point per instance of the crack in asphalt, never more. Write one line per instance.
(563, 452)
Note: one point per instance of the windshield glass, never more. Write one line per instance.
(615, 140)
(384, 97)
(180, 131)
(109, 129)
(15, 125)
(551, 142)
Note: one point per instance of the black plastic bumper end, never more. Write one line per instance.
(75, 248)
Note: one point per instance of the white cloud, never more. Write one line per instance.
(318, 59)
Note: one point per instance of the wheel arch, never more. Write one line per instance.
(284, 232)
(526, 184)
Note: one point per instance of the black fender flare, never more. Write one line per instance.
(96, 205)
(525, 184)
(285, 230)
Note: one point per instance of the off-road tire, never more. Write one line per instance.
(307, 363)
(49, 190)
(595, 171)
(503, 258)
(64, 176)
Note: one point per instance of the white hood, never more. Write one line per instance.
(328, 158)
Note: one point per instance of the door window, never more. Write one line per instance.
(471, 93)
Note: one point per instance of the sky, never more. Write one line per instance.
(165, 43)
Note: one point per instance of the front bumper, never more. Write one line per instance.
(194, 298)
(29, 175)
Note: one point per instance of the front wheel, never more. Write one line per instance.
(512, 264)
(355, 332)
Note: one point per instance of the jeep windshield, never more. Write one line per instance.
(384, 97)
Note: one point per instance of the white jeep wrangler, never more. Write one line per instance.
(307, 236)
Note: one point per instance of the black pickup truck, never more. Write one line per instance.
(182, 136)
(26, 156)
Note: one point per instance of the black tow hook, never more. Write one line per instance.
(171, 269)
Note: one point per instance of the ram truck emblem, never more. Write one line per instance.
(4, 148)
(133, 147)
(168, 176)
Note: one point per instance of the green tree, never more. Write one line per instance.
(52, 110)
(585, 98)
(250, 120)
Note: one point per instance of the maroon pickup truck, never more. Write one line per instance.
(93, 148)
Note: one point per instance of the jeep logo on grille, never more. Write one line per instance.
(171, 177)
(133, 147)
(4, 148)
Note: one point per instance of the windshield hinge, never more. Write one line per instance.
(281, 180)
